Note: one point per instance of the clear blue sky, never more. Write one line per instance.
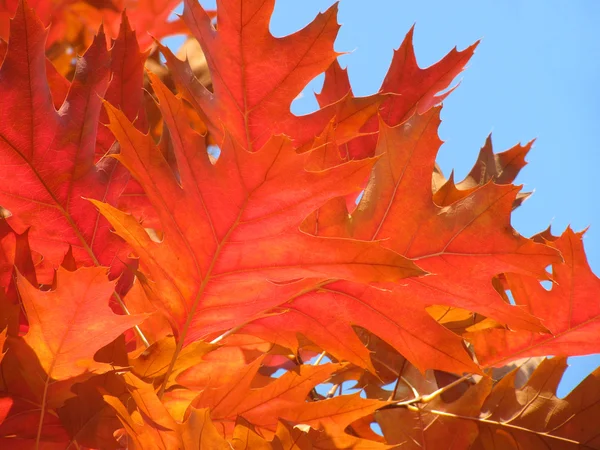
(533, 76)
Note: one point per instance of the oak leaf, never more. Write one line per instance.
(422, 427)
(253, 242)
(472, 234)
(87, 418)
(238, 54)
(282, 398)
(47, 156)
(416, 90)
(566, 310)
(534, 417)
(509, 414)
(501, 167)
(69, 324)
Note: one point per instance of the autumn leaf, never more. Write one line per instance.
(262, 406)
(422, 427)
(72, 24)
(59, 318)
(534, 417)
(8, 252)
(503, 416)
(252, 242)
(47, 156)
(238, 55)
(150, 426)
(154, 361)
(416, 90)
(125, 90)
(197, 431)
(223, 364)
(288, 282)
(256, 108)
(149, 17)
(202, 432)
(87, 418)
(501, 167)
(463, 235)
(327, 316)
(282, 398)
(15, 252)
(398, 207)
(566, 310)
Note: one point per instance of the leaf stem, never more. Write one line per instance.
(229, 333)
(505, 424)
(331, 392)
(42, 413)
(428, 397)
(319, 359)
(137, 328)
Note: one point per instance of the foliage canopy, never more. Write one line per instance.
(315, 277)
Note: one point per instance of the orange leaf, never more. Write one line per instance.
(69, 324)
(253, 241)
(567, 310)
(417, 90)
(253, 106)
(472, 235)
(47, 156)
(422, 427)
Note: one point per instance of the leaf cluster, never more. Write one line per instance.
(185, 264)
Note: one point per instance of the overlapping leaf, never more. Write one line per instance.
(534, 417)
(416, 90)
(503, 416)
(47, 156)
(67, 29)
(86, 417)
(282, 398)
(421, 427)
(252, 242)
(472, 235)
(263, 250)
(240, 52)
(567, 310)
(60, 319)
(501, 167)
(14, 252)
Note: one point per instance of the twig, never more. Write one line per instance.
(137, 329)
(319, 359)
(331, 392)
(429, 397)
(543, 434)
(228, 333)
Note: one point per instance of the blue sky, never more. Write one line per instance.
(533, 76)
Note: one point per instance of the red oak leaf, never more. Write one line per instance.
(126, 87)
(472, 235)
(238, 54)
(253, 241)
(282, 398)
(47, 156)
(68, 325)
(74, 22)
(416, 89)
(501, 167)
(567, 310)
